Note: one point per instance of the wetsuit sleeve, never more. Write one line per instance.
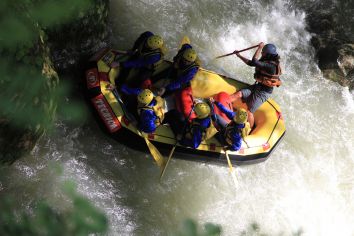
(141, 62)
(227, 112)
(130, 91)
(182, 80)
(197, 137)
(237, 142)
(147, 121)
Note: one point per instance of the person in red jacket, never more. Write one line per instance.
(185, 67)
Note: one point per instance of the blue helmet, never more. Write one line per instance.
(269, 49)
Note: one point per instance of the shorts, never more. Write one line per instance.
(255, 95)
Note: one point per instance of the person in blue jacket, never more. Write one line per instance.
(201, 128)
(150, 108)
(148, 52)
(185, 66)
(231, 133)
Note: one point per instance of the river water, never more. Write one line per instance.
(306, 185)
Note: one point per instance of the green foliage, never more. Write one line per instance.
(29, 85)
(190, 228)
(81, 219)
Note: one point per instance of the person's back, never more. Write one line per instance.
(150, 108)
(148, 52)
(185, 68)
(201, 128)
(231, 134)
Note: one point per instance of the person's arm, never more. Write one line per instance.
(255, 56)
(244, 59)
(130, 91)
(197, 137)
(182, 80)
(147, 121)
(227, 112)
(141, 62)
(237, 142)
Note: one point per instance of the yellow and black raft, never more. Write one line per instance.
(256, 147)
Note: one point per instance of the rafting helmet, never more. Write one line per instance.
(202, 110)
(145, 97)
(241, 116)
(154, 42)
(190, 55)
(269, 49)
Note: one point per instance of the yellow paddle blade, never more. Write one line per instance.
(184, 40)
(168, 160)
(160, 161)
(233, 175)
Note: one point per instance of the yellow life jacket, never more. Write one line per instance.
(158, 109)
(246, 130)
(267, 79)
(207, 133)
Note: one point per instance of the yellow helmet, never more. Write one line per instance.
(241, 116)
(190, 55)
(202, 110)
(154, 42)
(145, 97)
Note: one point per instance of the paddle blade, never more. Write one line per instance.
(232, 170)
(160, 161)
(168, 160)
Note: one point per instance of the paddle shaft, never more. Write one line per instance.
(174, 147)
(229, 54)
(234, 179)
(153, 150)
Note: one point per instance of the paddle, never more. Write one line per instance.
(234, 52)
(231, 169)
(174, 147)
(153, 150)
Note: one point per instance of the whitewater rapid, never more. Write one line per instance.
(307, 184)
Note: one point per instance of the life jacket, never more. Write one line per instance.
(229, 129)
(158, 109)
(267, 79)
(207, 133)
(142, 52)
(246, 130)
(184, 70)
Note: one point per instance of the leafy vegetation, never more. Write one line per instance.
(191, 228)
(81, 219)
(29, 84)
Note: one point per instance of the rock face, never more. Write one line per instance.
(55, 51)
(71, 44)
(332, 25)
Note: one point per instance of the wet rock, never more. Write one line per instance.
(71, 44)
(331, 23)
(62, 50)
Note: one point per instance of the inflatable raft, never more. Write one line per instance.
(117, 120)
